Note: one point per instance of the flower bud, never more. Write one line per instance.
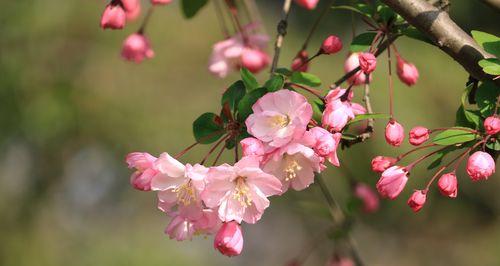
(448, 185)
(417, 200)
(136, 48)
(367, 62)
(392, 182)
(480, 166)
(309, 4)
(113, 17)
(132, 8)
(381, 163)
(492, 125)
(300, 63)
(394, 133)
(331, 45)
(254, 60)
(418, 135)
(407, 72)
(252, 147)
(368, 196)
(229, 239)
(160, 2)
(143, 163)
(351, 63)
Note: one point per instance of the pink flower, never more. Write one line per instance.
(407, 72)
(113, 17)
(392, 182)
(492, 125)
(480, 166)
(136, 48)
(294, 165)
(340, 261)
(331, 45)
(448, 185)
(279, 117)
(381, 163)
(419, 135)
(240, 191)
(132, 8)
(254, 60)
(351, 63)
(208, 222)
(338, 111)
(417, 200)
(368, 196)
(161, 2)
(300, 63)
(229, 239)
(309, 4)
(143, 163)
(252, 147)
(394, 133)
(324, 143)
(180, 228)
(367, 62)
(358, 109)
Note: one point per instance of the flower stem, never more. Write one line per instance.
(316, 24)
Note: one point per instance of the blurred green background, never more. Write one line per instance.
(71, 109)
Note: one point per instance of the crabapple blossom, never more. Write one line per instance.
(143, 163)
(338, 111)
(418, 135)
(331, 45)
(448, 185)
(358, 109)
(407, 72)
(492, 125)
(137, 48)
(113, 17)
(323, 143)
(252, 147)
(381, 163)
(254, 60)
(132, 8)
(417, 200)
(279, 117)
(367, 62)
(240, 191)
(368, 196)
(229, 239)
(351, 63)
(300, 63)
(309, 4)
(392, 181)
(180, 228)
(394, 133)
(480, 166)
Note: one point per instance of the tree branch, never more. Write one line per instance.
(282, 25)
(495, 4)
(445, 33)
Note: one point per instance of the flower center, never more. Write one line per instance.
(280, 121)
(185, 193)
(291, 167)
(241, 192)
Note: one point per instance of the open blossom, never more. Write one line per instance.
(254, 60)
(448, 185)
(323, 143)
(407, 72)
(381, 163)
(279, 117)
(392, 182)
(492, 125)
(143, 163)
(113, 17)
(331, 45)
(351, 63)
(229, 239)
(294, 165)
(417, 200)
(300, 63)
(367, 62)
(240, 191)
(309, 4)
(368, 196)
(480, 166)
(418, 135)
(394, 133)
(338, 111)
(137, 48)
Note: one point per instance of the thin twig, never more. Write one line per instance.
(316, 24)
(282, 25)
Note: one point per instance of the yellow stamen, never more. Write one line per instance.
(280, 121)
(291, 167)
(241, 192)
(185, 193)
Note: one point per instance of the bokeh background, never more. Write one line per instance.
(71, 109)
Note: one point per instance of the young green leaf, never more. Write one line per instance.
(362, 42)
(246, 103)
(284, 71)
(249, 79)
(486, 97)
(363, 9)
(413, 33)
(306, 79)
(233, 95)
(208, 128)
(489, 42)
(454, 136)
(275, 83)
(494, 145)
(369, 116)
(490, 65)
(318, 108)
(191, 7)
(437, 158)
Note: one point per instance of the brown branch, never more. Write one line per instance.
(445, 33)
(282, 25)
(495, 4)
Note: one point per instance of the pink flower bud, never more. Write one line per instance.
(381, 163)
(229, 239)
(136, 48)
(367, 62)
(132, 8)
(418, 135)
(331, 45)
(309, 4)
(368, 196)
(480, 166)
(143, 163)
(407, 72)
(299, 62)
(392, 182)
(448, 185)
(160, 2)
(113, 17)
(394, 133)
(252, 147)
(254, 60)
(351, 63)
(492, 125)
(417, 200)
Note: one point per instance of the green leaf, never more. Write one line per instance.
(454, 136)
(284, 71)
(386, 13)
(249, 79)
(369, 116)
(318, 108)
(465, 121)
(362, 42)
(306, 79)
(275, 83)
(490, 65)
(437, 158)
(191, 7)
(489, 42)
(486, 97)
(245, 105)
(208, 128)
(363, 9)
(233, 95)
(347, 136)
(494, 145)
(465, 94)
(413, 33)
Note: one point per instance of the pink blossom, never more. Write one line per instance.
(340, 261)
(394, 133)
(254, 60)
(324, 143)
(240, 191)
(161, 2)
(358, 109)
(368, 196)
(252, 147)
(367, 62)
(407, 72)
(448, 185)
(132, 8)
(229, 239)
(392, 182)
(351, 63)
(492, 125)
(338, 111)
(300, 63)
(294, 165)
(331, 45)
(143, 163)
(480, 166)
(180, 228)
(208, 222)
(417, 200)
(418, 135)
(113, 17)
(279, 117)
(309, 4)
(381, 163)
(137, 48)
